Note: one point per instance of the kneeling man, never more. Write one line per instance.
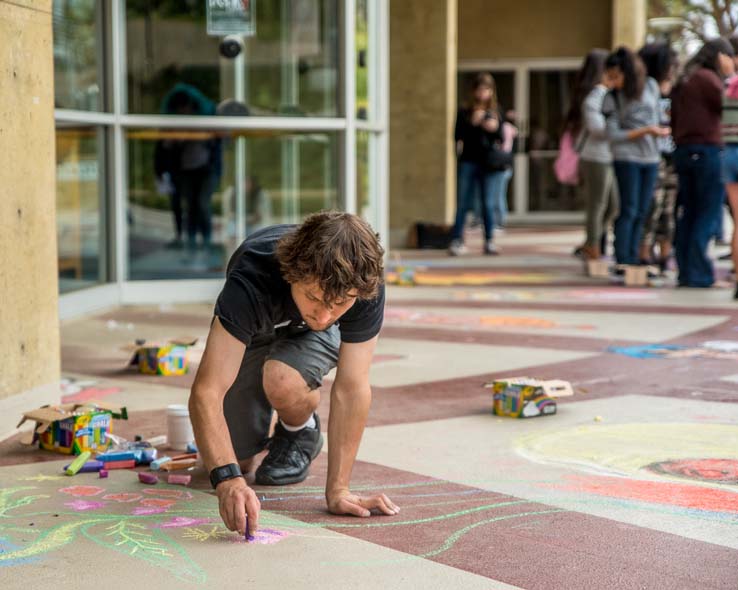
(297, 302)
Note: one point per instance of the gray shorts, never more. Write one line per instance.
(246, 408)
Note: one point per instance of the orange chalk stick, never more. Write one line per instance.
(175, 465)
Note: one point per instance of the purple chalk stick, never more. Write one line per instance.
(247, 536)
(103, 473)
(148, 478)
(89, 467)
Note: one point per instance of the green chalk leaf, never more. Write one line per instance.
(7, 503)
(149, 544)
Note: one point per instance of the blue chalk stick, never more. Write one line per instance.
(157, 463)
(191, 448)
(147, 456)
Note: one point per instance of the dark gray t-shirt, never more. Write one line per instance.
(257, 301)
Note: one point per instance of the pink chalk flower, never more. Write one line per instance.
(146, 511)
(84, 505)
(183, 521)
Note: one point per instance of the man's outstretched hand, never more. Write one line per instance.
(344, 502)
(235, 500)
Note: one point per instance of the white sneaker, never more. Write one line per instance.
(490, 248)
(457, 248)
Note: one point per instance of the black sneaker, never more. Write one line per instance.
(290, 455)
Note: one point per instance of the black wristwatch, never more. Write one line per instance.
(223, 473)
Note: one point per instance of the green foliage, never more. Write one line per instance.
(7, 504)
(703, 18)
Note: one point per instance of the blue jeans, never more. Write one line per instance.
(636, 183)
(500, 195)
(699, 205)
(470, 178)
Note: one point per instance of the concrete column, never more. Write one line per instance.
(422, 113)
(629, 23)
(29, 319)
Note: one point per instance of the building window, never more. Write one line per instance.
(288, 66)
(78, 55)
(193, 193)
(80, 206)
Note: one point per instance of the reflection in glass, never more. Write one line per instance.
(289, 66)
(363, 60)
(193, 194)
(549, 99)
(78, 54)
(365, 163)
(79, 195)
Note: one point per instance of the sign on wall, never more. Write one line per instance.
(231, 17)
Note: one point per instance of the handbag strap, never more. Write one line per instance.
(582, 141)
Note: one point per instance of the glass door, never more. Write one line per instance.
(536, 94)
(548, 100)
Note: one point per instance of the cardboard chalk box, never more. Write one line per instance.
(167, 359)
(72, 429)
(522, 397)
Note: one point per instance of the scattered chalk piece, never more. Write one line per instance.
(182, 480)
(103, 473)
(598, 418)
(77, 464)
(148, 478)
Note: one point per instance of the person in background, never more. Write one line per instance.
(696, 112)
(661, 64)
(509, 133)
(730, 161)
(478, 135)
(586, 122)
(632, 113)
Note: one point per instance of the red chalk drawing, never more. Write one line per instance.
(163, 493)
(123, 497)
(82, 490)
(674, 494)
(157, 503)
(723, 471)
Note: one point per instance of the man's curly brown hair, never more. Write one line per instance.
(338, 250)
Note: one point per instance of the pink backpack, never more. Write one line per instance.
(566, 166)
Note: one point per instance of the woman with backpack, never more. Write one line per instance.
(631, 111)
(481, 162)
(585, 125)
(696, 111)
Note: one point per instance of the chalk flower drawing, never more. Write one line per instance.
(141, 537)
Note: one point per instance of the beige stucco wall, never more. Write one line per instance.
(422, 111)
(496, 29)
(629, 22)
(29, 328)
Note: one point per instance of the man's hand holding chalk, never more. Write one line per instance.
(236, 500)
